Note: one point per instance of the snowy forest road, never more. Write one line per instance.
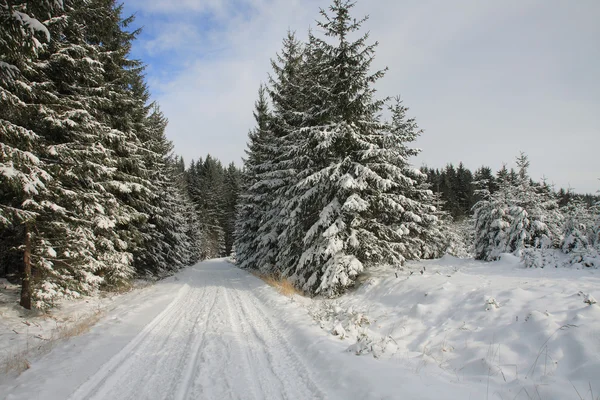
(214, 331)
(213, 341)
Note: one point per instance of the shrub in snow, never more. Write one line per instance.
(491, 303)
(589, 299)
(348, 324)
(459, 237)
(540, 258)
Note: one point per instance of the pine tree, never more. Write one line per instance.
(465, 191)
(326, 200)
(61, 256)
(275, 173)
(210, 206)
(413, 214)
(578, 225)
(518, 218)
(167, 242)
(483, 178)
(254, 200)
(23, 176)
(492, 221)
(232, 185)
(340, 216)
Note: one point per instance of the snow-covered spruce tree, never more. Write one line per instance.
(64, 77)
(253, 201)
(520, 205)
(321, 206)
(23, 176)
(98, 167)
(167, 244)
(535, 219)
(412, 213)
(492, 220)
(140, 150)
(87, 154)
(194, 192)
(578, 221)
(355, 204)
(71, 88)
(105, 174)
(580, 234)
(521, 217)
(209, 204)
(180, 223)
(24, 32)
(58, 242)
(275, 175)
(552, 216)
(192, 225)
(232, 184)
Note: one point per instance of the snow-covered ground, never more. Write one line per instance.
(461, 329)
(26, 335)
(523, 333)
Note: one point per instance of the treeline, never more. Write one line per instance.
(526, 218)
(214, 190)
(458, 188)
(90, 193)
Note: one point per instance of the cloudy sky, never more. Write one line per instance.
(484, 79)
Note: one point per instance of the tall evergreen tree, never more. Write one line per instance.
(348, 184)
(232, 183)
(23, 175)
(253, 203)
(276, 173)
(207, 192)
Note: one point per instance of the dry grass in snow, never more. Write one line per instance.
(282, 285)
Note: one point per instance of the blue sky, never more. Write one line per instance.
(485, 80)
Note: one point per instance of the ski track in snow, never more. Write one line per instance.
(215, 340)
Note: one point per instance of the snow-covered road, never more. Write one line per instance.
(215, 332)
(215, 340)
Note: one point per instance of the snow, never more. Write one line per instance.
(29, 334)
(447, 328)
(525, 330)
(33, 24)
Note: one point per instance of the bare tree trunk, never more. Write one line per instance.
(26, 279)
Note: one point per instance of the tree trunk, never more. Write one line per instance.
(26, 279)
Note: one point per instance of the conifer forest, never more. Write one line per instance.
(92, 194)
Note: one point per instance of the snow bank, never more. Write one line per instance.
(517, 331)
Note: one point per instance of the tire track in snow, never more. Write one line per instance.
(174, 352)
(192, 364)
(213, 341)
(151, 370)
(212, 379)
(151, 365)
(252, 355)
(91, 386)
(284, 362)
